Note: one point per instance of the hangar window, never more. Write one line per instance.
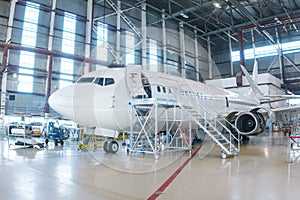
(86, 80)
(129, 48)
(27, 59)
(68, 46)
(102, 35)
(153, 55)
(265, 51)
(109, 81)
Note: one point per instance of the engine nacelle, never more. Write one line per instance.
(250, 123)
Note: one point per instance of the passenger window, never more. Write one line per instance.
(99, 81)
(164, 89)
(158, 89)
(170, 91)
(109, 81)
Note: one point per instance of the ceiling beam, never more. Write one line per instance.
(237, 26)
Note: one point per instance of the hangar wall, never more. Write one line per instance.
(269, 64)
(171, 60)
(34, 102)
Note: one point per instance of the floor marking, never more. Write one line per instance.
(161, 189)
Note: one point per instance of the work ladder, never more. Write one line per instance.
(210, 127)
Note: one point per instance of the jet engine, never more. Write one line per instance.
(250, 123)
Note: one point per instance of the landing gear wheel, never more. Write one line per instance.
(105, 146)
(46, 141)
(61, 142)
(223, 155)
(55, 142)
(113, 147)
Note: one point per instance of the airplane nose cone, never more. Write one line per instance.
(62, 101)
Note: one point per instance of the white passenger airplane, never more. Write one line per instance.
(102, 99)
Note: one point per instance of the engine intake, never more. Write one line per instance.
(250, 123)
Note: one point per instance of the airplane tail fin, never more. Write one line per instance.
(253, 81)
(255, 72)
(257, 93)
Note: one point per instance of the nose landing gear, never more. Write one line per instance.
(110, 146)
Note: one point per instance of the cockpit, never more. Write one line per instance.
(102, 81)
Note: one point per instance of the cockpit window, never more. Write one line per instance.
(104, 81)
(99, 81)
(86, 80)
(109, 81)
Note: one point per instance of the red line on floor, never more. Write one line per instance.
(172, 177)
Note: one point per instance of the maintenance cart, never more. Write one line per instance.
(56, 133)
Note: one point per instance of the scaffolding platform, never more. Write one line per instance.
(167, 124)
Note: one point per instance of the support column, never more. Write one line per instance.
(118, 39)
(253, 44)
(182, 50)
(280, 54)
(230, 50)
(197, 67)
(210, 66)
(88, 35)
(5, 58)
(164, 42)
(50, 58)
(144, 36)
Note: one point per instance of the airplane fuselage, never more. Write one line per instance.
(102, 98)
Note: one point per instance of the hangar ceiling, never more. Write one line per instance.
(222, 19)
(218, 16)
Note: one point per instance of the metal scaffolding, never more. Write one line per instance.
(167, 124)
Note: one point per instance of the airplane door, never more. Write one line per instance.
(134, 80)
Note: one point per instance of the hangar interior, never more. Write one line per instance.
(47, 45)
(173, 30)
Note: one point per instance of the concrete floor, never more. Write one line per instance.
(260, 171)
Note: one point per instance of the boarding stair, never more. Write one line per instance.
(212, 129)
(190, 109)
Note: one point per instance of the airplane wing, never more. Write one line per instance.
(275, 98)
(284, 109)
(285, 96)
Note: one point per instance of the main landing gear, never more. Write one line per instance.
(110, 146)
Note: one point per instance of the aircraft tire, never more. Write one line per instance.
(105, 146)
(223, 155)
(113, 147)
(61, 142)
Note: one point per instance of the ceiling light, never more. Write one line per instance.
(217, 4)
(184, 15)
